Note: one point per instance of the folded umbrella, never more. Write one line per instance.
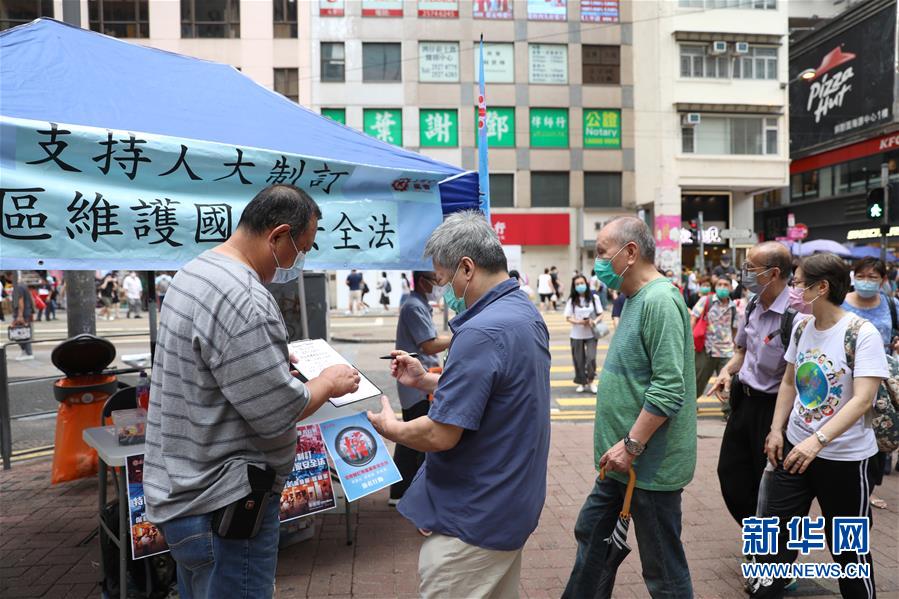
(617, 549)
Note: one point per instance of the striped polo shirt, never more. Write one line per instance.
(222, 397)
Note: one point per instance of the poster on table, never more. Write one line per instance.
(359, 455)
(382, 8)
(600, 11)
(438, 9)
(331, 8)
(146, 539)
(438, 62)
(307, 489)
(547, 10)
(548, 64)
(89, 198)
(492, 9)
(499, 63)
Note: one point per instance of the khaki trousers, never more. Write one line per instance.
(450, 568)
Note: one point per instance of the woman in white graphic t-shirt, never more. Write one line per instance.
(819, 442)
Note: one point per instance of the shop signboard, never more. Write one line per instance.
(852, 89)
(547, 10)
(499, 63)
(382, 8)
(438, 9)
(438, 62)
(600, 11)
(548, 63)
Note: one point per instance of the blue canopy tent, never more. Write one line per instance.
(867, 251)
(52, 71)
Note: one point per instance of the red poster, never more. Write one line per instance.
(532, 229)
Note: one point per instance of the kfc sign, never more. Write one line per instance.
(532, 229)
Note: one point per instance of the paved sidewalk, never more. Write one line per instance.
(41, 527)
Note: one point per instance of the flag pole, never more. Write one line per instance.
(483, 172)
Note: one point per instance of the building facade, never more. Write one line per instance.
(711, 119)
(559, 79)
(844, 127)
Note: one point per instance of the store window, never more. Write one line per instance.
(285, 18)
(718, 4)
(287, 82)
(502, 190)
(333, 62)
(549, 189)
(601, 64)
(602, 190)
(119, 18)
(759, 63)
(210, 18)
(381, 62)
(19, 12)
(730, 135)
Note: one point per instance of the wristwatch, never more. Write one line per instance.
(822, 438)
(633, 446)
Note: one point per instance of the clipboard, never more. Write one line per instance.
(314, 355)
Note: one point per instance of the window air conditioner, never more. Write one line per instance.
(718, 48)
(741, 48)
(691, 119)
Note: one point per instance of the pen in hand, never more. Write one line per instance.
(392, 357)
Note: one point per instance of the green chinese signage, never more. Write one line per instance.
(335, 114)
(438, 128)
(500, 127)
(549, 127)
(602, 128)
(385, 124)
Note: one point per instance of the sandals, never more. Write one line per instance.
(878, 502)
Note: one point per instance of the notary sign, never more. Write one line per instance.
(74, 197)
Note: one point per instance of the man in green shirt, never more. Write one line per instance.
(645, 418)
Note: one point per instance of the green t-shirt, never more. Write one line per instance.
(650, 365)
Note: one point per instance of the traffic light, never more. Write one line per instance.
(876, 205)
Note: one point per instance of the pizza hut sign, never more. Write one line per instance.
(831, 89)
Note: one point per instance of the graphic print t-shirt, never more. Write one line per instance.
(824, 385)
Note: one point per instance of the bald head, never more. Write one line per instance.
(627, 229)
(773, 254)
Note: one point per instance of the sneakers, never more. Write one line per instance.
(579, 389)
(24, 358)
(593, 388)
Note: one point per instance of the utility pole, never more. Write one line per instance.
(81, 291)
(700, 228)
(885, 227)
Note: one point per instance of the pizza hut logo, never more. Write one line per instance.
(831, 90)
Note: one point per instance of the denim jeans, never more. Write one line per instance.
(210, 566)
(656, 518)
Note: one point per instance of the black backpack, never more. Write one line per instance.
(894, 319)
(387, 287)
(786, 320)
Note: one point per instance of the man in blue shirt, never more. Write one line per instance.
(479, 494)
(415, 332)
(354, 282)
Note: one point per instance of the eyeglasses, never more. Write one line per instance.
(751, 266)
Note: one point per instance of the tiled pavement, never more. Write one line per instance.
(41, 527)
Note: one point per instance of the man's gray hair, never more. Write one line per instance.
(628, 229)
(469, 234)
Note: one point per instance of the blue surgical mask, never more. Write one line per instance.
(286, 275)
(867, 289)
(454, 303)
(580, 288)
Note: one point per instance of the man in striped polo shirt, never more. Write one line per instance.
(223, 403)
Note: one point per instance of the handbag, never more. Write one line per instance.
(20, 333)
(700, 328)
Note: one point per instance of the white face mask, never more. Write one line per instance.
(286, 275)
(436, 292)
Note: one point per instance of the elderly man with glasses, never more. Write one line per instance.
(752, 377)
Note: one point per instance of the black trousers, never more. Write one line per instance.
(842, 489)
(408, 461)
(742, 459)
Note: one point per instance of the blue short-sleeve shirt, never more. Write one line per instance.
(414, 327)
(489, 489)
